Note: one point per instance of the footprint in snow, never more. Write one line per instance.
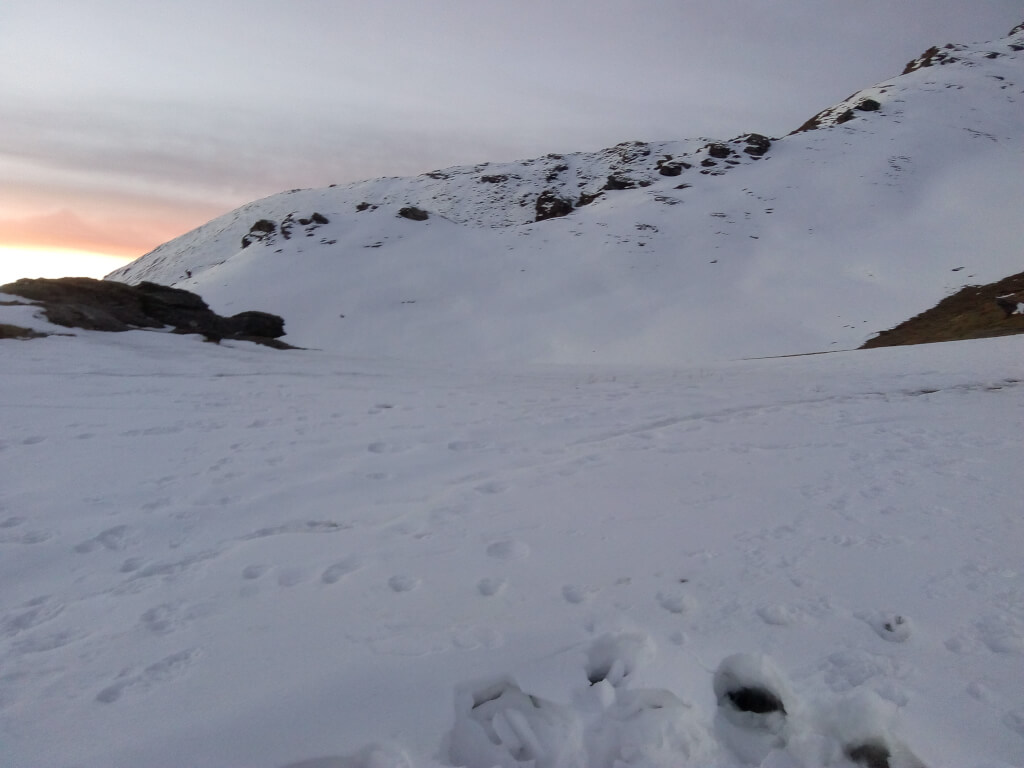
(613, 659)
(491, 487)
(36, 611)
(677, 602)
(41, 644)
(164, 670)
(577, 594)
(497, 723)
(490, 586)
(251, 572)
(1002, 634)
(466, 445)
(169, 617)
(754, 700)
(508, 549)
(403, 583)
(291, 577)
(112, 539)
(339, 570)
(384, 447)
(888, 626)
(778, 615)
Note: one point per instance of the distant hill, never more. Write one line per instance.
(657, 252)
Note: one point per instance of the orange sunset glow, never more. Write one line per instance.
(17, 262)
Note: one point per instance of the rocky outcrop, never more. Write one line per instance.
(551, 206)
(413, 213)
(266, 231)
(105, 305)
(973, 312)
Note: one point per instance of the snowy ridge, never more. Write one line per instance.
(812, 242)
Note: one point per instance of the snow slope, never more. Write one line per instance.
(229, 556)
(828, 237)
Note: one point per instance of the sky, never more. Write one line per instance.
(126, 124)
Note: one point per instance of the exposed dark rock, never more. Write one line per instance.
(8, 331)
(497, 178)
(436, 175)
(631, 151)
(707, 162)
(721, 151)
(871, 754)
(365, 206)
(258, 232)
(551, 206)
(105, 305)
(615, 182)
(667, 166)
(255, 323)
(757, 144)
(413, 213)
(868, 105)
(845, 117)
(265, 231)
(931, 57)
(587, 199)
(556, 171)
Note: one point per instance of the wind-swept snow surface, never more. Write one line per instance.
(231, 556)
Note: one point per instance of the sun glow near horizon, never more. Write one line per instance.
(22, 261)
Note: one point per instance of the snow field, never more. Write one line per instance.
(232, 556)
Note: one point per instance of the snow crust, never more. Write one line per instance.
(828, 238)
(234, 556)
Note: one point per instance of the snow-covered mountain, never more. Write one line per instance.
(650, 252)
(229, 556)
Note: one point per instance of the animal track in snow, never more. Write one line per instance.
(168, 617)
(112, 539)
(251, 572)
(403, 583)
(339, 570)
(31, 614)
(384, 447)
(1001, 634)
(299, 526)
(677, 602)
(778, 615)
(466, 445)
(508, 549)
(490, 586)
(44, 643)
(158, 672)
(576, 594)
(491, 487)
